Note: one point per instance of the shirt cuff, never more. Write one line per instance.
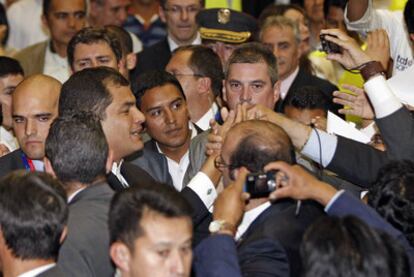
(333, 199)
(204, 188)
(381, 96)
(326, 147)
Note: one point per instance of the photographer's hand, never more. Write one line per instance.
(299, 184)
(352, 56)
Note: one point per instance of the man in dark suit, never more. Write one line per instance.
(182, 30)
(265, 247)
(106, 93)
(283, 36)
(78, 155)
(34, 107)
(32, 229)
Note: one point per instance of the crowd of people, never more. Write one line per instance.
(206, 138)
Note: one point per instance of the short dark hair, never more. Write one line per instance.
(4, 21)
(87, 90)
(77, 148)
(307, 97)
(33, 214)
(92, 35)
(254, 52)
(262, 143)
(392, 196)
(124, 38)
(348, 247)
(409, 16)
(164, 2)
(10, 66)
(47, 3)
(152, 79)
(205, 63)
(129, 206)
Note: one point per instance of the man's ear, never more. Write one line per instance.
(131, 61)
(203, 85)
(412, 37)
(120, 255)
(44, 21)
(224, 91)
(63, 235)
(162, 15)
(276, 92)
(109, 161)
(48, 167)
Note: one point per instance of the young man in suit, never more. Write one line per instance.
(33, 220)
(78, 155)
(167, 121)
(63, 19)
(34, 107)
(106, 93)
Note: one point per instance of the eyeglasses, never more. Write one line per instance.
(220, 164)
(178, 10)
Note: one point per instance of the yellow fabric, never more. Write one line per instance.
(397, 5)
(235, 4)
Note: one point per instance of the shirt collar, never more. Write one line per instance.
(37, 270)
(174, 45)
(204, 122)
(249, 217)
(286, 83)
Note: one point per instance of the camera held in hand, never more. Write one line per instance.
(329, 46)
(260, 184)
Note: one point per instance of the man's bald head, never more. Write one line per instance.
(255, 143)
(35, 105)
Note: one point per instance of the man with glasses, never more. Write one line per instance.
(199, 71)
(182, 29)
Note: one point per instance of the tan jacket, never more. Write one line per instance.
(32, 58)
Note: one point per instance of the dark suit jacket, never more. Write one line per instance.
(151, 58)
(305, 79)
(134, 175)
(10, 162)
(85, 251)
(270, 246)
(359, 163)
(255, 7)
(346, 205)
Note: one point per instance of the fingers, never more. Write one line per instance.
(354, 89)
(241, 179)
(282, 166)
(342, 102)
(224, 112)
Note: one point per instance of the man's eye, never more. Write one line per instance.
(44, 118)
(164, 253)
(104, 61)
(9, 91)
(80, 15)
(18, 120)
(235, 86)
(61, 15)
(155, 113)
(177, 105)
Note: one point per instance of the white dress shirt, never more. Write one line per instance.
(204, 122)
(287, 83)
(8, 139)
(174, 45)
(56, 66)
(248, 219)
(177, 170)
(116, 170)
(37, 271)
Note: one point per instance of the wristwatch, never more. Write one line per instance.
(217, 226)
(371, 69)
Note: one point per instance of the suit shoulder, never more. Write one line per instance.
(35, 48)
(10, 162)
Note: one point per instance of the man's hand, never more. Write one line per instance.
(3, 150)
(357, 104)
(379, 47)
(352, 56)
(230, 203)
(299, 184)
